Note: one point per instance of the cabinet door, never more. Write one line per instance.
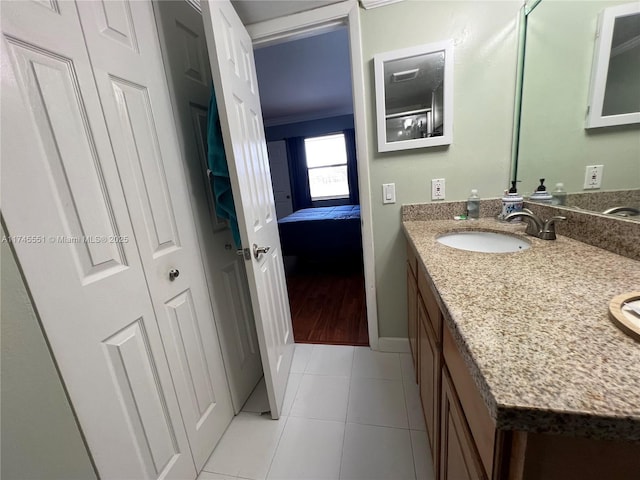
(429, 379)
(412, 307)
(459, 459)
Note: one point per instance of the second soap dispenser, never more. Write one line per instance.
(541, 195)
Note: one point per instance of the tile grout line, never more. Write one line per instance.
(404, 392)
(288, 416)
(273, 456)
(344, 431)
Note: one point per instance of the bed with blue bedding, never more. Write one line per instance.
(322, 232)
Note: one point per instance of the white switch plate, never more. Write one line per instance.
(388, 193)
(593, 176)
(437, 189)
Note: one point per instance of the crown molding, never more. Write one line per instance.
(369, 4)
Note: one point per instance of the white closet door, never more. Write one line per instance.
(234, 77)
(280, 177)
(60, 184)
(123, 45)
(187, 66)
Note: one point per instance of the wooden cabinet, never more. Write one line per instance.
(427, 295)
(463, 438)
(412, 307)
(429, 380)
(459, 459)
(412, 304)
(481, 425)
(451, 440)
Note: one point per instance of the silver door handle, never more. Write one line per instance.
(173, 274)
(257, 251)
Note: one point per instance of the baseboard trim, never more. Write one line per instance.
(393, 344)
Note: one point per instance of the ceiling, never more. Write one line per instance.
(254, 11)
(304, 79)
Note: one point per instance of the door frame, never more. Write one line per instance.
(314, 22)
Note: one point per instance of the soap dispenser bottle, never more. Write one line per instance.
(541, 195)
(511, 202)
(473, 205)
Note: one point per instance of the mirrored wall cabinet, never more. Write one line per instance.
(414, 97)
(614, 97)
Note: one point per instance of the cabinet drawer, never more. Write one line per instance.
(412, 259)
(480, 422)
(433, 310)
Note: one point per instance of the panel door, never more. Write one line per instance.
(123, 45)
(234, 78)
(280, 179)
(186, 63)
(60, 184)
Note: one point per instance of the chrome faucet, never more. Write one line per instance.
(623, 211)
(535, 226)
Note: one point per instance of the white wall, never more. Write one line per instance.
(40, 437)
(485, 36)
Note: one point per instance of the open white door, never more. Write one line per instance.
(186, 63)
(235, 83)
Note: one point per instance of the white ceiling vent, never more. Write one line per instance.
(405, 75)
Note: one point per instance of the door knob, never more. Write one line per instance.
(257, 251)
(173, 274)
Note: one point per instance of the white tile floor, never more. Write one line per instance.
(349, 413)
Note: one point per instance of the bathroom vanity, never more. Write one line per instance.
(522, 375)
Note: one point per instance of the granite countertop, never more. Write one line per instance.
(533, 327)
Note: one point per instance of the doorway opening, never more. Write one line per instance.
(307, 106)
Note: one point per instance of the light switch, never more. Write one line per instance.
(388, 193)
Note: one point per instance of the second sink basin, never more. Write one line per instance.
(487, 242)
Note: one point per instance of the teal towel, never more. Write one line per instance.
(219, 171)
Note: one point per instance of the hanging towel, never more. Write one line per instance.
(219, 171)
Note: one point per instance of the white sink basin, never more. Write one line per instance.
(487, 242)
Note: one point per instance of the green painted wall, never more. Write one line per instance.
(485, 37)
(40, 437)
(554, 143)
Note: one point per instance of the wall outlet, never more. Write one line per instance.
(593, 176)
(437, 189)
(388, 193)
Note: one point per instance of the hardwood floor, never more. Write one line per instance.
(327, 302)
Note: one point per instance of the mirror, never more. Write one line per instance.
(414, 97)
(552, 141)
(614, 98)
